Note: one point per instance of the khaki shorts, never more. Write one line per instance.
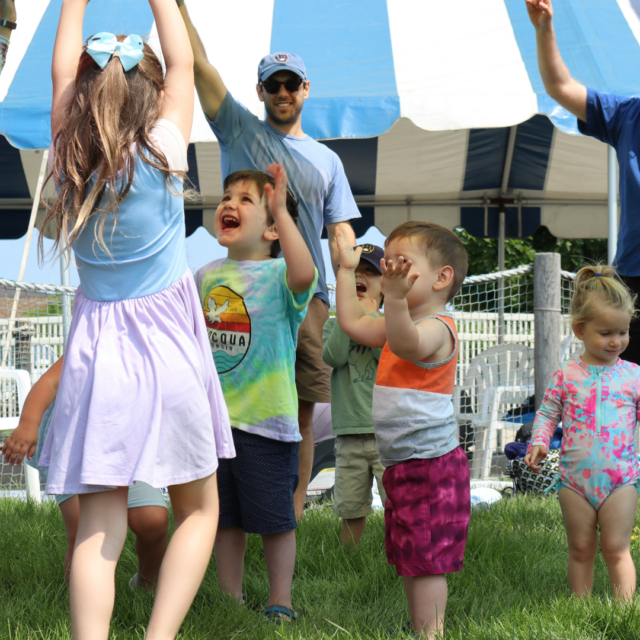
(357, 463)
(312, 374)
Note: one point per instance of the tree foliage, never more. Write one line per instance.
(483, 252)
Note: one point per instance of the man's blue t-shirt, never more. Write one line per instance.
(314, 173)
(616, 121)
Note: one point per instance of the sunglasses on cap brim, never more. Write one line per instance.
(292, 85)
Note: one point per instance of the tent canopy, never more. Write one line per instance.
(436, 108)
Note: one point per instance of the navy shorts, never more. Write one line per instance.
(256, 487)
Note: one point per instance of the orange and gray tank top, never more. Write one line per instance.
(413, 412)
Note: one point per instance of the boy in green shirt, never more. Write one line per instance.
(352, 379)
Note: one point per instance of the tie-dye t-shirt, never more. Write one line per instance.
(252, 319)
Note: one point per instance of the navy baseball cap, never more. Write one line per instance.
(281, 62)
(372, 254)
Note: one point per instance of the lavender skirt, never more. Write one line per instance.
(139, 397)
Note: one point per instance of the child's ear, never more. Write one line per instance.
(578, 330)
(444, 279)
(271, 234)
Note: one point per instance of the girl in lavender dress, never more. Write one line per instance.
(139, 398)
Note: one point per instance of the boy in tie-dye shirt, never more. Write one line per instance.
(254, 304)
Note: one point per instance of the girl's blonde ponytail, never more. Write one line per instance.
(597, 286)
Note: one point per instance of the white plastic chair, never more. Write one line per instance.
(23, 385)
(501, 375)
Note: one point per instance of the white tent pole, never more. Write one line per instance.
(612, 163)
(25, 255)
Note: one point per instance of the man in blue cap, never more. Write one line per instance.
(612, 119)
(316, 177)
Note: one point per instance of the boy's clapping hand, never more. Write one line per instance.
(349, 258)
(396, 281)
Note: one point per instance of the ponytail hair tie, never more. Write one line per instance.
(598, 275)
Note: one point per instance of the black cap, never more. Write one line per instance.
(372, 254)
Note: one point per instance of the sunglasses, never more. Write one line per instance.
(292, 85)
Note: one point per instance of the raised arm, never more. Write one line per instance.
(301, 271)
(362, 328)
(557, 80)
(209, 85)
(7, 12)
(178, 83)
(66, 55)
(334, 251)
(406, 339)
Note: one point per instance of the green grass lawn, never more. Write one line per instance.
(514, 584)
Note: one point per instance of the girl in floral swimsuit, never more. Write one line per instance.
(596, 395)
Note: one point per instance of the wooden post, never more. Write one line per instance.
(548, 318)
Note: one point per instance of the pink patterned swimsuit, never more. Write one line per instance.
(599, 407)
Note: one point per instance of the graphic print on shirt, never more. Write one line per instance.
(370, 369)
(228, 326)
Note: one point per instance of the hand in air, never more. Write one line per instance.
(277, 198)
(369, 305)
(540, 12)
(396, 281)
(21, 442)
(349, 258)
(533, 458)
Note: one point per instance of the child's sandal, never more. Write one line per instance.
(279, 614)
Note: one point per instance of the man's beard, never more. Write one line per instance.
(295, 113)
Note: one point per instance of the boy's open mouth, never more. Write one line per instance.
(361, 288)
(229, 222)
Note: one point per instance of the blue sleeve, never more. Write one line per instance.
(607, 116)
(231, 121)
(339, 204)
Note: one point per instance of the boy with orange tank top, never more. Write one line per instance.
(427, 475)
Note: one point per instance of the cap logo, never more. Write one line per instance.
(281, 57)
(368, 248)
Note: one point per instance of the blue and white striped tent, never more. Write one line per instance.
(436, 107)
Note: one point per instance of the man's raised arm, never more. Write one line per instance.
(557, 80)
(209, 85)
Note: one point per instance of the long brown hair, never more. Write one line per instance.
(105, 128)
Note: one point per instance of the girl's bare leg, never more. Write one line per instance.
(616, 518)
(580, 520)
(195, 511)
(70, 510)
(231, 544)
(102, 529)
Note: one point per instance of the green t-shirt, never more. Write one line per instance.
(352, 379)
(252, 320)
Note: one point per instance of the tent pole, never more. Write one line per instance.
(501, 262)
(612, 162)
(25, 255)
